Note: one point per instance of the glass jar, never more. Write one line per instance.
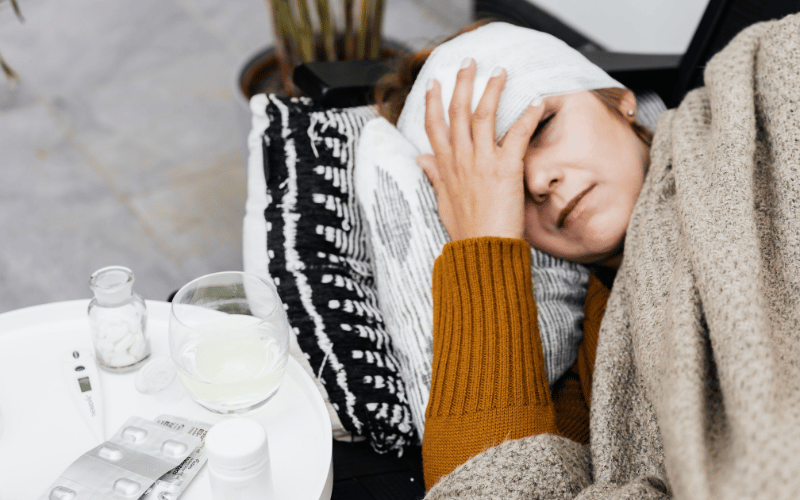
(118, 319)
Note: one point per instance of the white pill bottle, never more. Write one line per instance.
(238, 461)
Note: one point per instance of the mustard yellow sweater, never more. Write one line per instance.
(489, 382)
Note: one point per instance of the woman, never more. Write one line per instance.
(565, 179)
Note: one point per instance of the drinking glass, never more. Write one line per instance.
(229, 338)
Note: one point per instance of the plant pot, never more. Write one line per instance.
(261, 67)
(259, 74)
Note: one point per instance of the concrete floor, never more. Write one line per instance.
(122, 145)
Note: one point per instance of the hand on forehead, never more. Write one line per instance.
(537, 64)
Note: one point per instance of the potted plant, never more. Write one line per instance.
(306, 32)
(303, 34)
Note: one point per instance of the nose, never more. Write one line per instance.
(542, 180)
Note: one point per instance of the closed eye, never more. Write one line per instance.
(542, 125)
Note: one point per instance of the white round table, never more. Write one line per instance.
(41, 431)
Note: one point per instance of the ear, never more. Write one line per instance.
(627, 106)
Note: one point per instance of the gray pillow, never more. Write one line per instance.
(407, 236)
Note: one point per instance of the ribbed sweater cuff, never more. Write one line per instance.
(452, 440)
(487, 349)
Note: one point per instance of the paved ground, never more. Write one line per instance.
(123, 144)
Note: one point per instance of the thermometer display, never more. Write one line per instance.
(83, 383)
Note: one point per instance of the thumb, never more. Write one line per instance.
(431, 169)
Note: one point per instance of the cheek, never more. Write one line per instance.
(534, 220)
(606, 230)
(594, 240)
(540, 235)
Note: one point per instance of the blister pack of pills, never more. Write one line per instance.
(170, 485)
(125, 466)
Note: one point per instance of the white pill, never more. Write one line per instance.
(134, 434)
(126, 487)
(173, 448)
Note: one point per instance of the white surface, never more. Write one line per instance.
(639, 26)
(43, 432)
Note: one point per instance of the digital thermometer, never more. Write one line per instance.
(80, 372)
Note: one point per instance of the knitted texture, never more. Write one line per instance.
(489, 383)
(561, 473)
(696, 392)
(406, 236)
(483, 397)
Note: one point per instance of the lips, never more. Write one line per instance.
(562, 217)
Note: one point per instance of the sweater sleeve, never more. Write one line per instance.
(489, 382)
(573, 392)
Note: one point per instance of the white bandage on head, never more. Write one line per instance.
(538, 65)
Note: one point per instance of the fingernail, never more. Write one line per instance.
(466, 62)
(497, 71)
(430, 84)
(536, 101)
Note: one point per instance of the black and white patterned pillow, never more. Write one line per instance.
(318, 256)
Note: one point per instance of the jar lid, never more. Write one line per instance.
(237, 444)
(156, 375)
(112, 285)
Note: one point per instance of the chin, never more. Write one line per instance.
(600, 249)
(594, 245)
(582, 254)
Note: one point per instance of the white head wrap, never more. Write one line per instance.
(538, 65)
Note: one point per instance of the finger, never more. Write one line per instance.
(435, 124)
(461, 108)
(429, 166)
(484, 119)
(519, 135)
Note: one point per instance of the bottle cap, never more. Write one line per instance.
(112, 285)
(237, 444)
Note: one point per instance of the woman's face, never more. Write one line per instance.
(584, 169)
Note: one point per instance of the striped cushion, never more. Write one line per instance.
(317, 255)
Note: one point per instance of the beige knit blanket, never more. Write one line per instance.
(697, 380)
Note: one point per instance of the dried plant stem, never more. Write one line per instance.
(306, 32)
(284, 66)
(361, 39)
(349, 33)
(327, 29)
(18, 12)
(376, 28)
(292, 32)
(13, 78)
